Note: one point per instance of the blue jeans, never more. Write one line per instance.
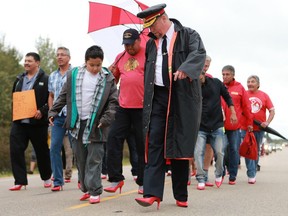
(217, 144)
(251, 165)
(234, 140)
(57, 135)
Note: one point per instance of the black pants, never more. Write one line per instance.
(19, 138)
(154, 173)
(124, 119)
(133, 155)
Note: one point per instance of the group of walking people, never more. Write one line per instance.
(165, 96)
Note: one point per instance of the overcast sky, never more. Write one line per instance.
(251, 35)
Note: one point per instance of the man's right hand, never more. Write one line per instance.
(51, 119)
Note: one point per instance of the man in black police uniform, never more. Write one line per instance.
(172, 103)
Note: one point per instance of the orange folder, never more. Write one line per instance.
(24, 104)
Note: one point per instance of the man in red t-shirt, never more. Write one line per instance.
(128, 69)
(259, 103)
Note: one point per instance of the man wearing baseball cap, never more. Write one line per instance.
(129, 67)
(175, 57)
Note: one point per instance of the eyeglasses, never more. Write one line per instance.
(61, 55)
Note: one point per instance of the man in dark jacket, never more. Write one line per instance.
(175, 56)
(212, 127)
(34, 128)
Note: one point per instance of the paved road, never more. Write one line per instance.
(268, 196)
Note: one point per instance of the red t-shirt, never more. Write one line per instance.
(130, 72)
(260, 102)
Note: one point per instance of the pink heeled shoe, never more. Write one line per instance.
(148, 201)
(182, 203)
(209, 184)
(201, 186)
(17, 187)
(94, 199)
(219, 181)
(140, 190)
(85, 197)
(113, 189)
(67, 180)
(47, 183)
(57, 188)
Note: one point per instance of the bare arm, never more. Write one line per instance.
(50, 99)
(270, 118)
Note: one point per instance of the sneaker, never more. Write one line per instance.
(201, 186)
(251, 180)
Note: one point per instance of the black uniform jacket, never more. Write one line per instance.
(184, 109)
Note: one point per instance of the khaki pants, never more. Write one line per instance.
(69, 157)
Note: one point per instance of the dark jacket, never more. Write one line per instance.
(105, 113)
(185, 108)
(212, 115)
(41, 93)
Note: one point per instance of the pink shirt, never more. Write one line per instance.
(130, 72)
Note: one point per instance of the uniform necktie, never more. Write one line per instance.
(165, 75)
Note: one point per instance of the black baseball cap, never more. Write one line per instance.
(129, 36)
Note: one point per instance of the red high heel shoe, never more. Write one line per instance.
(148, 201)
(182, 203)
(112, 189)
(57, 188)
(17, 187)
(67, 180)
(85, 197)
